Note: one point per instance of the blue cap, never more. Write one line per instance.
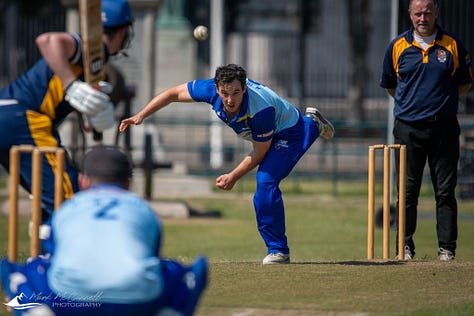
(116, 13)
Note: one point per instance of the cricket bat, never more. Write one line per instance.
(93, 57)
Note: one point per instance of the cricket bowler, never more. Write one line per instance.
(280, 134)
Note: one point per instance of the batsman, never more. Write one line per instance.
(33, 106)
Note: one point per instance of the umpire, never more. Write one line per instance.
(425, 69)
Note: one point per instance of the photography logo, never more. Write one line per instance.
(21, 302)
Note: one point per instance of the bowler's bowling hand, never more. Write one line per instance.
(133, 120)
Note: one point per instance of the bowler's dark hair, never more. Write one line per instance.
(229, 73)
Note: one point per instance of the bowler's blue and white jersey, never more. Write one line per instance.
(106, 245)
(263, 114)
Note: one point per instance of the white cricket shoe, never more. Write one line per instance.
(326, 130)
(277, 258)
(409, 255)
(445, 255)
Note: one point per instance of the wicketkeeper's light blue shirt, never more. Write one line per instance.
(106, 241)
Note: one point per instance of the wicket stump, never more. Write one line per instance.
(36, 191)
(386, 200)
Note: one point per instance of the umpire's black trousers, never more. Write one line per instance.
(435, 140)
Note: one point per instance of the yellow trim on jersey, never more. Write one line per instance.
(243, 118)
(398, 48)
(55, 93)
(53, 96)
(40, 127)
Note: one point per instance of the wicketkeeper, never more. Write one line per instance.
(105, 254)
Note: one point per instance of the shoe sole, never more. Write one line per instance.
(285, 261)
(324, 121)
(277, 262)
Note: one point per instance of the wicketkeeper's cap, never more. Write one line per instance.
(107, 162)
(116, 13)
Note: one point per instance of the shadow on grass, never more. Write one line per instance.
(355, 263)
(372, 263)
(204, 214)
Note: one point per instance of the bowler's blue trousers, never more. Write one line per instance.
(286, 150)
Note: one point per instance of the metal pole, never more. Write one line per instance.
(391, 103)
(216, 59)
(148, 166)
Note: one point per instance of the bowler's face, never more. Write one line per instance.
(423, 15)
(231, 95)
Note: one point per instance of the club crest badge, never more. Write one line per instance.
(441, 55)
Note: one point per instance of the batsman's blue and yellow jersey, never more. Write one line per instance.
(31, 109)
(41, 91)
(263, 113)
(426, 81)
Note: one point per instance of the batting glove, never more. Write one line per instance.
(104, 119)
(85, 98)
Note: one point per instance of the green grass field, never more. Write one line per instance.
(329, 274)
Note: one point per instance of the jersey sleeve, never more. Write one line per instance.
(464, 72)
(388, 80)
(263, 125)
(202, 90)
(76, 58)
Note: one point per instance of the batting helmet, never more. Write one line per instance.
(116, 13)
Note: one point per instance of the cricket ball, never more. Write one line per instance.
(200, 33)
